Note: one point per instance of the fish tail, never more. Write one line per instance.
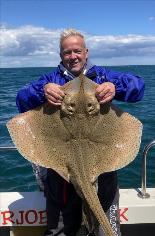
(95, 206)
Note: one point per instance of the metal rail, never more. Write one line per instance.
(143, 193)
(8, 148)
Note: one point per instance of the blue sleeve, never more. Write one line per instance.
(129, 88)
(32, 95)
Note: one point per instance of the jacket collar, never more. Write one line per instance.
(65, 72)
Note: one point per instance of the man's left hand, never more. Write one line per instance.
(105, 92)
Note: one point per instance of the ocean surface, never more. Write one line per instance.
(16, 173)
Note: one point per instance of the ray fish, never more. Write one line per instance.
(80, 140)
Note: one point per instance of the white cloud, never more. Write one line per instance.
(28, 40)
(120, 46)
(38, 46)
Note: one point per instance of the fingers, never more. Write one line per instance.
(54, 94)
(105, 100)
(105, 92)
(53, 101)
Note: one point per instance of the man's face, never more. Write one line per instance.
(74, 54)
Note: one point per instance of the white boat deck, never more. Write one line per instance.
(21, 209)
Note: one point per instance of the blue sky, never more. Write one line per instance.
(117, 32)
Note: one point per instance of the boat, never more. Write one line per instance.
(24, 214)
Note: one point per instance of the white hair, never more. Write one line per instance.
(70, 32)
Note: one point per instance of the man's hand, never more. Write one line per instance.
(54, 94)
(105, 92)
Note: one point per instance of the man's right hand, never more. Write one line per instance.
(54, 94)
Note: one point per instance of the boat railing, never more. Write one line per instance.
(8, 148)
(143, 193)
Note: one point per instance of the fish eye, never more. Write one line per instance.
(72, 104)
(89, 104)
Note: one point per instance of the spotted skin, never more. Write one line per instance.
(80, 140)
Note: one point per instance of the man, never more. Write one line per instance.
(61, 196)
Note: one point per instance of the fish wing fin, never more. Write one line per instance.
(41, 138)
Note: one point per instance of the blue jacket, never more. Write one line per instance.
(129, 88)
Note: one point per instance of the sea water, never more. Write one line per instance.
(16, 173)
